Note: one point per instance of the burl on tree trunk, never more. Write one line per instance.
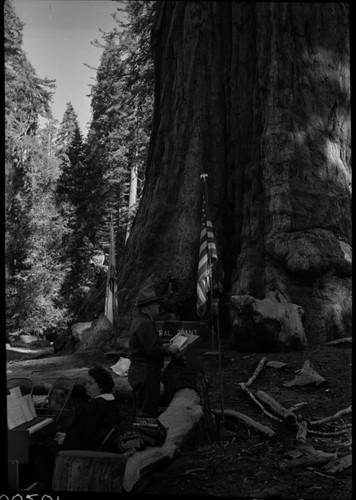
(257, 95)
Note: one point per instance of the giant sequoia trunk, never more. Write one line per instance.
(257, 96)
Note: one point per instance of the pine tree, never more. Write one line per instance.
(79, 202)
(26, 98)
(122, 106)
(71, 150)
(30, 171)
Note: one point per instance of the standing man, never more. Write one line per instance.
(146, 353)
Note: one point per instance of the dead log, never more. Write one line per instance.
(277, 409)
(85, 470)
(249, 422)
(182, 415)
(179, 375)
(337, 415)
(252, 397)
(258, 370)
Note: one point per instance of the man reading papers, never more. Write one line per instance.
(182, 340)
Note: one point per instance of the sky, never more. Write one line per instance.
(57, 40)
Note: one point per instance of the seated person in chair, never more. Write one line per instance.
(87, 430)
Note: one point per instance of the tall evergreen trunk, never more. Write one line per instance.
(132, 197)
(257, 96)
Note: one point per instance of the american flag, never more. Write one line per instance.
(207, 257)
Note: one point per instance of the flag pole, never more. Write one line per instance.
(204, 176)
(214, 310)
(220, 372)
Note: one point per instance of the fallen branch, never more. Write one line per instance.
(310, 461)
(258, 370)
(332, 417)
(249, 422)
(298, 406)
(276, 408)
(328, 434)
(347, 340)
(324, 475)
(249, 393)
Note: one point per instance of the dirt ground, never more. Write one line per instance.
(245, 463)
(248, 464)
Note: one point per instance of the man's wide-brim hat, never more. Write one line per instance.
(147, 296)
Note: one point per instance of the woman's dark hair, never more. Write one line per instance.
(103, 378)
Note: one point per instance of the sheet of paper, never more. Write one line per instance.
(16, 391)
(27, 407)
(31, 405)
(190, 339)
(179, 340)
(15, 415)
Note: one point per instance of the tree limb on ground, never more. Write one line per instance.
(276, 408)
(258, 370)
(249, 422)
(337, 415)
(309, 461)
(252, 397)
(328, 434)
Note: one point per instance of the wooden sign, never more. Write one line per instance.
(168, 329)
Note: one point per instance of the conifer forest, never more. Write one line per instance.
(62, 189)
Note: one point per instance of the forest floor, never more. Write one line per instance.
(246, 463)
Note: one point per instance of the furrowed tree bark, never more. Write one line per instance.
(257, 95)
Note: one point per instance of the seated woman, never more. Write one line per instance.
(87, 430)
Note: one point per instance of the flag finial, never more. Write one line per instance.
(204, 176)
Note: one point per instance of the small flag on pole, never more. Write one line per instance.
(207, 257)
(110, 297)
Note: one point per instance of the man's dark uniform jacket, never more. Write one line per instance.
(146, 354)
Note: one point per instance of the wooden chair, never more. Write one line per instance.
(55, 401)
(25, 384)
